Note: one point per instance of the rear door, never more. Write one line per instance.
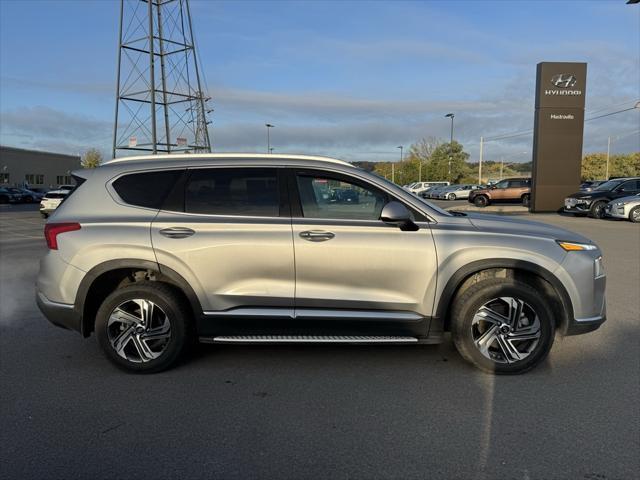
(227, 232)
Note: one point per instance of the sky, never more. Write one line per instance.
(347, 79)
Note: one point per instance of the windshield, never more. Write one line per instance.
(610, 185)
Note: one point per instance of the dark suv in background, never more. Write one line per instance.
(592, 203)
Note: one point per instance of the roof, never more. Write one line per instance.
(224, 156)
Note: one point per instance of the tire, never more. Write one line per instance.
(138, 343)
(597, 210)
(4, 199)
(634, 215)
(481, 201)
(526, 199)
(467, 328)
(451, 196)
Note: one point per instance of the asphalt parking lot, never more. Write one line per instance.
(318, 411)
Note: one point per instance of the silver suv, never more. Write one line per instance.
(151, 253)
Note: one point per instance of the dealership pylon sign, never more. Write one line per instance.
(558, 132)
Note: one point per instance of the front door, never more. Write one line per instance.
(350, 264)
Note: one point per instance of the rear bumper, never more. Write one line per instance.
(60, 314)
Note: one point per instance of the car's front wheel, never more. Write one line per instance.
(481, 201)
(502, 326)
(143, 327)
(452, 196)
(597, 210)
(634, 215)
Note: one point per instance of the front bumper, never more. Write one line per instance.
(60, 314)
(585, 325)
(615, 212)
(571, 205)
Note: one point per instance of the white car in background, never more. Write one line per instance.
(419, 187)
(627, 208)
(455, 192)
(51, 201)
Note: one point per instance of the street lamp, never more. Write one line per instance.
(451, 116)
(269, 127)
(401, 157)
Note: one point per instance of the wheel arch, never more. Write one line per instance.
(105, 277)
(519, 268)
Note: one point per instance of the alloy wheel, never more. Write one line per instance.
(139, 330)
(635, 215)
(506, 330)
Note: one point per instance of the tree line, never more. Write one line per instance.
(431, 159)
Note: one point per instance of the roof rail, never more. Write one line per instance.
(213, 156)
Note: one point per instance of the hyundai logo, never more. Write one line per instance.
(563, 80)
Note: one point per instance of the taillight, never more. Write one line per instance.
(52, 230)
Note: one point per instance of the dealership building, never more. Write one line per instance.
(35, 168)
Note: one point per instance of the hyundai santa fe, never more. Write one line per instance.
(152, 253)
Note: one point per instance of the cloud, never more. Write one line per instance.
(46, 128)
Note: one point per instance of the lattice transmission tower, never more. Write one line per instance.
(160, 103)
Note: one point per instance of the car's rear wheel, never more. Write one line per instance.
(526, 199)
(634, 215)
(502, 326)
(597, 210)
(143, 327)
(481, 201)
(452, 196)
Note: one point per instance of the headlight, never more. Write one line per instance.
(618, 204)
(576, 247)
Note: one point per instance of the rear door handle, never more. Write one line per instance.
(177, 232)
(316, 235)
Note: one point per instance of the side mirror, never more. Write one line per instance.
(395, 213)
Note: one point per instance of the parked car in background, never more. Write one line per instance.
(593, 203)
(626, 208)
(29, 196)
(589, 185)
(418, 187)
(68, 188)
(17, 193)
(456, 192)
(507, 190)
(433, 191)
(7, 196)
(51, 201)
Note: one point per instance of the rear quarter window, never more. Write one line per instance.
(146, 189)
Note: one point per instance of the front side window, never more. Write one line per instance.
(332, 198)
(233, 191)
(631, 186)
(502, 184)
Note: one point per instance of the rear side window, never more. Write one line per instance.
(146, 189)
(233, 191)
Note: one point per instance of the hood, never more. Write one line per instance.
(590, 194)
(514, 226)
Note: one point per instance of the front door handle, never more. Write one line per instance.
(316, 235)
(177, 232)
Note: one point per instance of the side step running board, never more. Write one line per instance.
(307, 339)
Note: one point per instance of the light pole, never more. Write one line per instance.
(606, 175)
(451, 116)
(401, 157)
(269, 127)
(480, 163)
